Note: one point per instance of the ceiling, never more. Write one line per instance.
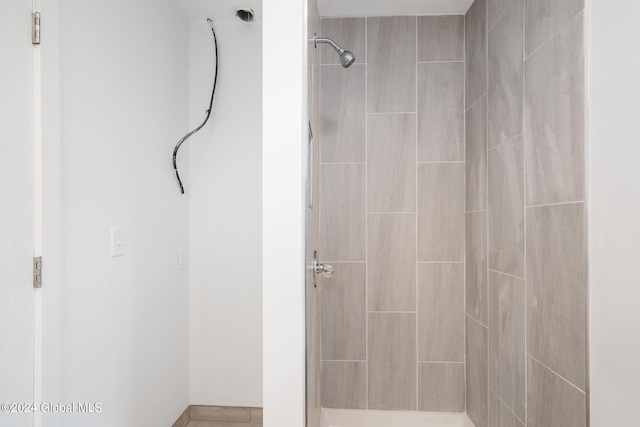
(392, 7)
(217, 10)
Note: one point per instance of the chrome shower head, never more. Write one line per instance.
(347, 58)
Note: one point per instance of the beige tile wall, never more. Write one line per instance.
(392, 214)
(526, 289)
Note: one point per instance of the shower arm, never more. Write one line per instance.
(330, 42)
(208, 114)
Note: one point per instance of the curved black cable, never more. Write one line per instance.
(213, 92)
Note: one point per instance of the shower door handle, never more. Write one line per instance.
(318, 268)
(324, 269)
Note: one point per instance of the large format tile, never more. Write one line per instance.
(506, 75)
(441, 38)
(557, 289)
(552, 401)
(545, 17)
(343, 212)
(441, 387)
(476, 51)
(344, 313)
(344, 385)
(391, 64)
(342, 114)
(441, 312)
(440, 111)
(476, 265)
(506, 208)
(507, 361)
(391, 161)
(500, 415)
(554, 128)
(476, 373)
(476, 156)
(392, 361)
(392, 262)
(348, 33)
(441, 212)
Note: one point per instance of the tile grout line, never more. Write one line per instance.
(390, 312)
(440, 262)
(501, 12)
(486, 139)
(524, 183)
(366, 207)
(505, 405)
(503, 143)
(455, 162)
(391, 213)
(506, 274)
(556, 374)
(341, 163)
(453, 61)
(417, 337)
(390, 113)
(473, 104)
(440, 362)
(477, 321)
(464, 149)
(553, 36)
(554, 204)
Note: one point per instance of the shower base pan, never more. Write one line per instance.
(362, 418)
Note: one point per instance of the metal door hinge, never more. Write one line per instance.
(35, 31)
(37, 272)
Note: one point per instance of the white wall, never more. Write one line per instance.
(614, 90)
(16, 211)
(123, 107)
(224, 187)
(285, 132)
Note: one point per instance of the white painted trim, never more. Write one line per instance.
(285, 129)
(51, 208)
(37, 222)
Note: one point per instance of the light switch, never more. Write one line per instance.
(182, 259)
(117, 241)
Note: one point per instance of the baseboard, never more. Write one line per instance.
(219, 413)
(184, 419)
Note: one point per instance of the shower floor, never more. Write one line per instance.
(361, 418)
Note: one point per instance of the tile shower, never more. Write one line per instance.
(452, 206)
(392, 215)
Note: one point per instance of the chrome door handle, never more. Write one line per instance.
(318, 268)
(325, 270)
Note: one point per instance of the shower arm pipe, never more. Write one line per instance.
(330, 42)
(208, 113)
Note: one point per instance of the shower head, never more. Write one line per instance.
(346, 57)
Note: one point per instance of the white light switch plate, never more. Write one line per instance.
(182, 259)
(117, 241)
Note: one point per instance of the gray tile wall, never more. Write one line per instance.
(393, 214)
(526, 256)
